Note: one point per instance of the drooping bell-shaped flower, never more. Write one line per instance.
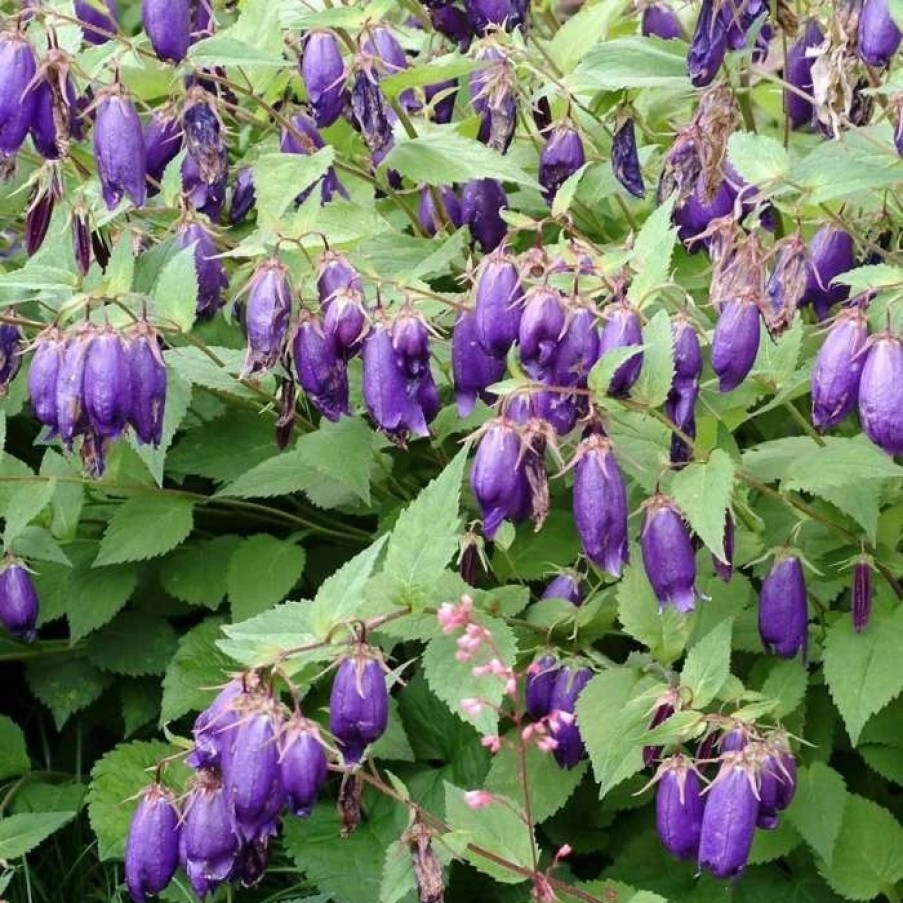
(302, 764)
(481, 201)
(837, 369)
(483, 14)
(783, 613)
(680, 409)
(452, 22)
(322, 374)
(661, 21)
(10, 354)
(211, 274)
(498, 299)
(697, 211)
(668, 554)
(679, 806)
(879, 37)
(345, 321)
(735, 342)
(709, 44)
(725, 568)
(577, 350)
(168, 25)
(269, 307)
(497, 478)
(569, 684)
(358, 703)
(799, 75)
(323, 74)
(600, 505)
(43, 374)
(205, 193)
(861, 594)
(97, 24)
(729, 818)
(213, 729)
(335, 273)
(162, 143)
(37, 219)
(107, 384)
(431, 219)
(493, 99)
(880, 398)
(147, 378)
(55, 120)
(737, 736)
(473, 368)
(540, 682)
(71, 418)
(776, 774)
(152, 847)
(18, 601)
(687, 353)
(541, 329)
(411, 343)
(561, 157)
(565, 585)
(243, 195)
(119, 149)
(18, 99)
(625, 161)
(622, 330)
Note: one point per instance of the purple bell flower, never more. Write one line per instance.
(107, 384)
(725, 569)
(695, 214)
(411, 343)
(162, 143)
(452, 22)
(481, 203)
(97, 24)
(737, 737)
(680, 409)
(207, 197)
(665, 706)
(625, 161)
(600, 505)
(18, 601)
(861, 594)
(345, 322)
(497, 478)
(622, 330)
(783, 613)
(561, 157)
(830, 254)
(323, 74)
(687, 353)
(428, 216)
(213, 729)
(776, 773)
(37, 220)
(302, 764)
(498, 298)
(492, 97)
(147, 378)
(661, 21)
(335, 274)
(56, 114)
(679, 806)
(81, 242)
(578, 349)
(708, 46)
(211, 274)
(11, 341)
(837, 368)
(668, 554)
(541, 677)
(358, 703)
(168, 25)
(321, 373)
(880, 398)
(43, 375)
(119, 149)
(735, 342)
(18, 99)
(565, 585)
(152, 848)
(482, 14)
(70, 406)
(541, 329)
(729, 819)
(799, 75)
(879, 37)
(243, 195)
(568, 685)
(474, 369)
(269, 307)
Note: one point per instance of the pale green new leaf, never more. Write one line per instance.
(707, 667)
(658, 361)
(702, 491)
(176, 291)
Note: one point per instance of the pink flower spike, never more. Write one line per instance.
(563, 852)
(478, 799)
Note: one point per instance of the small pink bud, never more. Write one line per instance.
(564, 851)
(493, 744)
(478, 799)
(471, 706)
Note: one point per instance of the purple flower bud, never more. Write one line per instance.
(687, 353)
(335, 274)
(725, 569)
(485, 13)
(541, 329)
(679, 807)
(43, 374)
(147, 378)
(213, 729)
(541, 677)
(266, 319)
(162, 143)
(739, 17)
(323, 74)
(665, 706)
(428, 398)
(481, 201)
(898, 132)
(70, 406)
(680, 409)
(56, 116)
(97, 24)
(152, 848)
(473, 368)
(211, 274)
(776, 769)
(207, 197)
(37, 219)
(358, 703)
(622, 330)
(492, 97)
(577, 351)
(695, 214)
(729, 819)
(208, 846)
(661, 21)
(783, 614)
(735, 342)
(561, 157)
(830, 254)
(668, 554)
(444, 94)
(18, 99)
(624, 159)
(345, 322)
(497, 478)
(428, 216)
(837, 368)
(565, 585)
(879, 37)
(321, 373)
(452, 22)
(568, 685)
(799, 75)
(81, 242)
(107, 384)
(18, 601)
(880, 398)
(119, 149)
(10, 354)
(861, 595)
(168, 25)
(302, 764)
(382, 44)
(498, 300)
(737, 737)
(600, 505)
(708, 46)
(369, 112)
(243, 195)
(411, 343)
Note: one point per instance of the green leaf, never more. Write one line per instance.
(66, 504)
(262, 639)
(439, 69)
(786, 682)
(398, 880)
(140, 699)
(665, 633)
(498, 829)
(632, 62)
(146, 526)
(759, 159)
(186, 574)
(583, 31)
(135, 644)
(225, 50)
(279, 178)
(707, 667)
(176, 291)
(657, 373)
(863, 670)
(65, 686)
(442, 156)
(533, 555)
(818, 807)
(262, 572)
(770, 845)
(21, 833)
(115, 782)
(868, 856)
(97, 595)
(604, 369)
(871, 277)
(199, 369)
(703, 492)
(27, 502)
(121, 268)
(35, 543)
(13, 752)
(652, 252)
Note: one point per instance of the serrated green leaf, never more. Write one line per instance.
(21, 833)
(65, 686)
(262, 572)
(583, 31)
(225, 50)
(66, 504)
(146, 526)
(121, 267)
(652, 252)
(27, 502)
(863, 670)
(665, 633)
(604, 369)
(13, 752)
(140, 699)
(135, 644)
(187, 574)
(218, 373)
(703, 493)
(632, 62)
(817, 807)
(176, 291)
(533, 555)
(265, 637)
(786, 683)
(708, 664)
(759, 159)
(398, 880)
(657, 373)
(279, 178)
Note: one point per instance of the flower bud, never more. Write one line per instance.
(119, 149)
(10, 355)
(540, 682)
(107, 384)
(162, 143)
(837, 368)
(429, 217)
(358, 703)
(302, 764)
(737, 737)
(18, 100)
(565, 585)
(345, 322)
(776, 773)
(211, 274)
(411, 343)
(369, 112)
(56, 115)
(861, 595)
(43, 375)
(152, 848)
(323, 74)
(492, 97)
(687, 353)
(97, 24)
(18, 601)
(735, 342)
(568, 686)
(37, 219)
(729, 819)
(452, 22)
(498, 298)
(321, 373)
(561, 157)
(266, 319)
(81, 243)
(668, 554)
(708, 46)
(622, 330)
(783, 614)
(799, 74)
(625, 161)
(725, 569)
(205, 194)
(481, 201)
(661, 21)
(213, 729)
(474, 369)
(541, 328)
(679, 807)
(168, 25)
(880, 398)
(243, 195)
(577, 350)
(482, 14)
(680, 409)
(879, 36)
(665, 706)
(147, 379)
(70, 403)
(600, 505)
(335, 274)
(497, 478)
